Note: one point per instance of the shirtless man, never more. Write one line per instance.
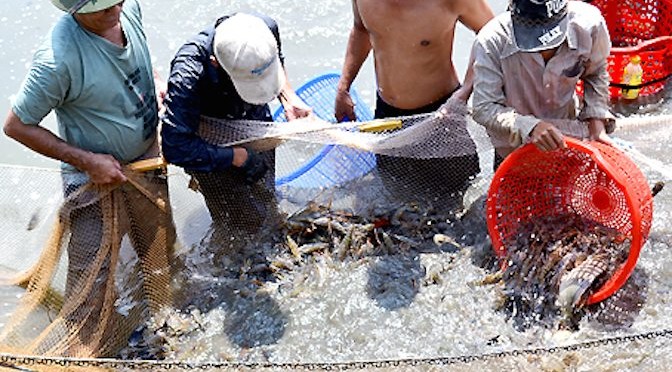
(412, 41)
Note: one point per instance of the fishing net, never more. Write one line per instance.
(74, 303)
(414, 148)
(365, 266)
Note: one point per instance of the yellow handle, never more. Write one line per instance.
(147, 164)
(379, 125)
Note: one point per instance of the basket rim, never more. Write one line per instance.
(622, 275)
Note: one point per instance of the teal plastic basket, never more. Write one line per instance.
(333, 165)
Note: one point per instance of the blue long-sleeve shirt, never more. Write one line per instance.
(196, 88)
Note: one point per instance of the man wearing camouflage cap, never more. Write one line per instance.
(528, 61)
(94, 71)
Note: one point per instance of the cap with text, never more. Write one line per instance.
(539, 24)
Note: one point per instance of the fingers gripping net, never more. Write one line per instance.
(82, 298)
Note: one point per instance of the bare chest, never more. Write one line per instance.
(421, 22)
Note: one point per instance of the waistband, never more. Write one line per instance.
(385, 110)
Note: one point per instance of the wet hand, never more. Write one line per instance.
(297, 109)
(345, 108)
(547, 137)
(254, 167)
(463, 93)
(597, 131)
(104, 169)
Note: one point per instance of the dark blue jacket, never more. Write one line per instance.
(195, 88)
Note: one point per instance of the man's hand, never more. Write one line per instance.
(295, 108)
(345, 108)
(252, 165)
(103, 169)
(547, 137)
(598, 132)
(463, 93)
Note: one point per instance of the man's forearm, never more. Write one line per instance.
(357, 51)
(45, 142)
(596, 95)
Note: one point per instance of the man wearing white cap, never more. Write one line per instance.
(94, 71)
(231, 70)
(528, 61)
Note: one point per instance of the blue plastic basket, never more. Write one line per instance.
(333, 165)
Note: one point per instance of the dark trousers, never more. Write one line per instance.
(413, 178)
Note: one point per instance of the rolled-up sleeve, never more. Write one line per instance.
(596, 77)
(180, 143)
(489, 100)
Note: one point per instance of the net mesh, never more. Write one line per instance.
(331, 270)
(73, 303)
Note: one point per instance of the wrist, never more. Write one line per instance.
(343, 88)
(282, 96)
(239, 157)
(80, 159)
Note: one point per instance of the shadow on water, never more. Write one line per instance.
(620, 310)
(225, 272)
(252, 317)
(394, 281)
(476, 234)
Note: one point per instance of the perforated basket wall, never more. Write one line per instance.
(592, 179)
(644, 28)
(332, 165)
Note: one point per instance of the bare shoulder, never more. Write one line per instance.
(472, 13)
(462, 7)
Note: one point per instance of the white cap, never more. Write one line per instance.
(247, 50)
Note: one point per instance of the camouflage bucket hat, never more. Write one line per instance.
(84, 6)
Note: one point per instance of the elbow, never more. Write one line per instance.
(13, 126)
(172, 151)
(167, 149)
(8, 130)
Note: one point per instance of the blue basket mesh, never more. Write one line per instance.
(333, 165)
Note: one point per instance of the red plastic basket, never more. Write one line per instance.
(592, 179)
(639, 27)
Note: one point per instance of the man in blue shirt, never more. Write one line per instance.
(231, 70)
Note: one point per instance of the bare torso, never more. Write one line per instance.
(412, 43)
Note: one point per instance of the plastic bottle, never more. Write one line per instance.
(632, 75)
